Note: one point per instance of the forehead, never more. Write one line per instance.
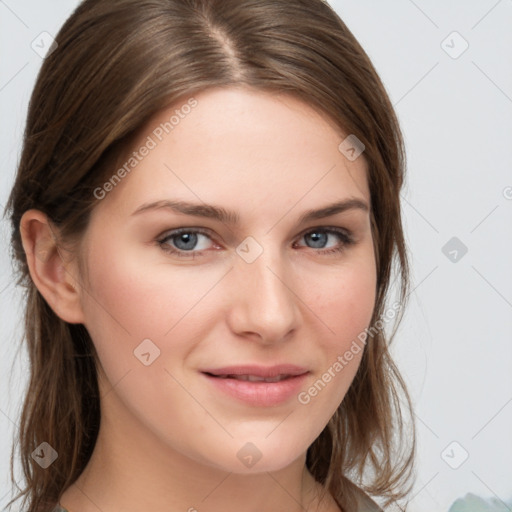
(241, 147)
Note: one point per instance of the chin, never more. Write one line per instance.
(257, 454)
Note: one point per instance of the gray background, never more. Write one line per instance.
(454, 346)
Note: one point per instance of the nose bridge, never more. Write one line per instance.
(265, 303)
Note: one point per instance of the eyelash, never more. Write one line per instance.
(344, 235)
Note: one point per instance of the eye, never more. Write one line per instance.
(192, 242)
(186, 242)
(319, 238)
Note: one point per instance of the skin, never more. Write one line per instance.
(168, 440)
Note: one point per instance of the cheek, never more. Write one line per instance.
(344, 300)
(125, 292)
(344, 304)
(128, 300)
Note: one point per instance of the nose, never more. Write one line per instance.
(263, 304)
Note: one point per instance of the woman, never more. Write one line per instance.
(205, 216)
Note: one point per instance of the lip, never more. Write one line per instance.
(259, 371)
(260, 394)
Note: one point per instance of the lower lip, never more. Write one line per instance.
(263, 394)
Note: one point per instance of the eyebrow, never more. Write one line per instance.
(220, 214)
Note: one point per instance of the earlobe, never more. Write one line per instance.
(54, 278)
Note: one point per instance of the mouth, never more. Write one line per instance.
(257, 371)
(252, 378)
(261, 387)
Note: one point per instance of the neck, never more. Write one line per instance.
(150, 475)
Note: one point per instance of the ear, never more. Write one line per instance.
(56, 280)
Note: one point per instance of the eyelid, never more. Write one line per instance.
(335, 229)
(170, 233)
(345, 235)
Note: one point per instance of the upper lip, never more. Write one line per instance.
(258, 371)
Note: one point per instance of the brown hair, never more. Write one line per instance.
(118, 63)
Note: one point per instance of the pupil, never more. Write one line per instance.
(319, 239)
(189, 239)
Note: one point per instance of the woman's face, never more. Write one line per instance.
(252, 277)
